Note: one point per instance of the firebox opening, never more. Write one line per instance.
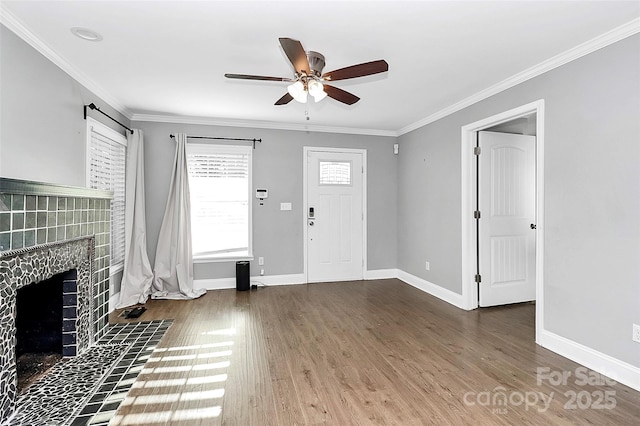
(39, 326)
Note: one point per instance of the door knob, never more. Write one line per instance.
(310, 223)
(533, 226)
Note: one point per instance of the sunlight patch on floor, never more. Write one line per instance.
(186, 368)
(192, 390)
(211, 366)
(221, 332)
(190, 356)
(167, 417)
(201, 413)
(180, 381)
(194, 347)
(143, 419)
(174, 397)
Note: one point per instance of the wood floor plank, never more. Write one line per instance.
(355, 353)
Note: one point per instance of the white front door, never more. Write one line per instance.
(334, 215)
(507, 224)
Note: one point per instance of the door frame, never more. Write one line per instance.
(305, 206)
(469, 286)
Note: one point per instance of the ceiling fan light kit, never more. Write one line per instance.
(308, 78)
(298, 91)
(316, 89)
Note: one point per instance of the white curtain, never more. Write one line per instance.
(174, 263)
(137, 276)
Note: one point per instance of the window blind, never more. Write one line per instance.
(219, 185)
(107, 161)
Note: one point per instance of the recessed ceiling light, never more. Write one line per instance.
(86, 34)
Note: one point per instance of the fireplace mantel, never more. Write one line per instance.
(27, 187)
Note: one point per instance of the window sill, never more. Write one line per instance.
(218, 259)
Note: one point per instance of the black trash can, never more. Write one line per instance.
(242, 276)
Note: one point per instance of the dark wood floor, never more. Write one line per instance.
(358, 353)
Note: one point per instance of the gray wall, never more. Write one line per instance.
(278, 166)
(592, 196)
(42, 128)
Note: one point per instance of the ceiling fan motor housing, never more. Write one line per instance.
(316, 62)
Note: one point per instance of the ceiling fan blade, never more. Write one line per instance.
(284, 100)
(256, 77)
(360, 70)
(341, 95)
(296, 54)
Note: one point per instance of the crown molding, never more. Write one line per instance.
(604, 40)
(255, 124)
(15, 25)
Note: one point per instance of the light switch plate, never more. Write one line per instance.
(285, 206)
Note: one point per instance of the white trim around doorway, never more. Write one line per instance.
(469, 287)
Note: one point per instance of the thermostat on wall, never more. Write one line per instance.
(262, 193)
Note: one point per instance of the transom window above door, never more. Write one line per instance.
(335, 172)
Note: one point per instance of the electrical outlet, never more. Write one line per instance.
(261, 261)
(427, 266)
(636, 333)
(261, 271)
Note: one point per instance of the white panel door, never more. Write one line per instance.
(334, 216)
(507, 224)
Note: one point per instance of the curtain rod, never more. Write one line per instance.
(254, 140)
(94, 107)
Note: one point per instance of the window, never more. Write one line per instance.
(335, 173)
(220, 186)
(106, 158)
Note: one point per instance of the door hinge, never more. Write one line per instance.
(476, 214)
(478, 278)
(476, 150)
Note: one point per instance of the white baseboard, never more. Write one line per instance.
(435, 290)
(380, 274)
(289, 279)
(619, 371)
(226, 283)
(215, 283)
(376, 274)
(114, 299)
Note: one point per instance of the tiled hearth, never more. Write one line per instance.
(89, 388)
(46, 230)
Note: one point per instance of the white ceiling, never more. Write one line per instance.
(168, 58)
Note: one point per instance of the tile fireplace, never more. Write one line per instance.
(47, 230)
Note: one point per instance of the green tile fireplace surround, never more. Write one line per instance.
(33, 213)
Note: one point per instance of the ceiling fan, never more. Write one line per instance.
(309, 79)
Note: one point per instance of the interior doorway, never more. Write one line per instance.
(525, 119)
